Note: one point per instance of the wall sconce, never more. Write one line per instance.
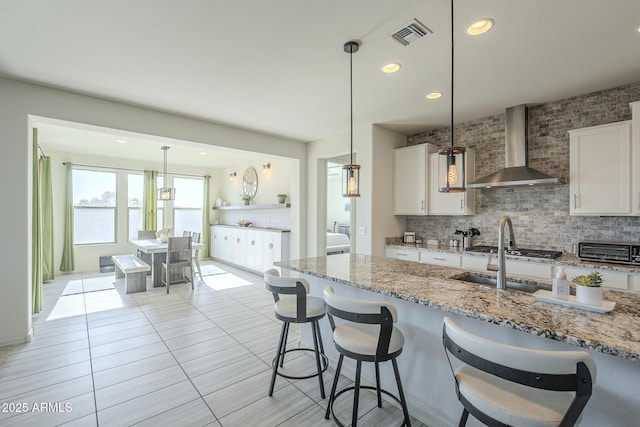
(232, 176)
(266, 168)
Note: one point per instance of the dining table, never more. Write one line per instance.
(157, 250)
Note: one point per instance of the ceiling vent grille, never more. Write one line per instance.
(410, 32)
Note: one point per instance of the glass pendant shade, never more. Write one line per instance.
(351, 181)
(166, 193)
(454, 176)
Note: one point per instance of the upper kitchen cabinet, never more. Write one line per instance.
(450, 203)
(601, 170)
(411, 179)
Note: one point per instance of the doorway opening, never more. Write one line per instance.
(340, 210)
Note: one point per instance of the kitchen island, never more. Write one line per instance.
(424, 294)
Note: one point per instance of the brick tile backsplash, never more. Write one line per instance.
(540, 215)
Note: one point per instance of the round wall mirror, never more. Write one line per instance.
(250, 182)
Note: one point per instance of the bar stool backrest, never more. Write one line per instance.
(549, 370)
(288, 286)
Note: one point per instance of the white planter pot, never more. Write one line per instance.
(589, 295)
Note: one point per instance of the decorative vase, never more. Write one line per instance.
(246, 201)
(590, 295)
(281, 199)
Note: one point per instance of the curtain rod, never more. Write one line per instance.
(131, 170)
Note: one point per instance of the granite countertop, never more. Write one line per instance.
(566, 258)
(616, 333)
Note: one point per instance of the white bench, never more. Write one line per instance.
(134, 271)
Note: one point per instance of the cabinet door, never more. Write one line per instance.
(440, 258)
(238, 246)
(221, 243)
(402, 254)
(253, 246)
(410, 180)
(600, 168)
(271, 249)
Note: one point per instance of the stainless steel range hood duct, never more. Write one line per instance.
(516, 171)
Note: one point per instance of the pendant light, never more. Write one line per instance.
(455, 174)
(351, 172)
(166, 193)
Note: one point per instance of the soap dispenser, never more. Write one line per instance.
(561, 285)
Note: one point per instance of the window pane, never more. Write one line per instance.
(94, 225)
(160, 218)
(135, 222)
(134, 190)
(188, 193)
(187, 220)
(92, 188)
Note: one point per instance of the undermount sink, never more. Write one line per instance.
(487, 281)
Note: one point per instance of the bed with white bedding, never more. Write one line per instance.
(337, 243)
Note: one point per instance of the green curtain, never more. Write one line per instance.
(46, 214)
(67, 262)
(206, 231)
(149, 201)
(36, 236)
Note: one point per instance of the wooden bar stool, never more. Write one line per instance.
(367, 335)
(296, 306)
(503, 385)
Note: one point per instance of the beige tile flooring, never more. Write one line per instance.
(191, 358)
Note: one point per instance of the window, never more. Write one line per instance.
(134, 204)
(94, 206)
(187, 208)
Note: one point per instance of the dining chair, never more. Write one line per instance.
(179, 258)
(195, 238)
(144, 235)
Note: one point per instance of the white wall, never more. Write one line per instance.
(21, 100)
(336, 203)
(374, 208)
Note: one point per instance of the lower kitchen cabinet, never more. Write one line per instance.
(403, 254)
(252, 249)
(610, 279)
(514, 268)
(439, 258)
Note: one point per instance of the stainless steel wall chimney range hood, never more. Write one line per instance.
(516, 172)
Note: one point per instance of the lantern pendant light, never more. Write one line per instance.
(454, 178)
(351, 172)
(166, 193)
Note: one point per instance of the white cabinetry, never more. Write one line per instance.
(411, 179)
(534, 270)
(600, 170)
(403, 254)
(253, 249)
(462, 203)
(610, 279)
(440, 258)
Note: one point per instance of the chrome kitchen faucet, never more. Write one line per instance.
(501, 267)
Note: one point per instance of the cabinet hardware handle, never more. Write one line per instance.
(461, 204)
(575, 201)
(238, 240)
(253, 243)
(402, 254)
(422, 205)
(439, 259)
(270, 245)
(225, 237)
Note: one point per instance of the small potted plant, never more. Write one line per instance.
(282, 198)
(588, 290)
(246, 198)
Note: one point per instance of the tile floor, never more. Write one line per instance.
(191, 358)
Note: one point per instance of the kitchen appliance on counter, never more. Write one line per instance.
(612, 252)
(529, 253)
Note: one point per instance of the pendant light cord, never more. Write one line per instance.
(452, 51)
(351, 97)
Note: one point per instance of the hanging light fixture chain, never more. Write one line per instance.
(452, 56)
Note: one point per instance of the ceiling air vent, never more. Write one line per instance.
(410, 32)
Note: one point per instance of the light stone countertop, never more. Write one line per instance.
(252, 227)
(616, 333)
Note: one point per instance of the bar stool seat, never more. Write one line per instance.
(293, 305)
(366, 334)
(505, 385)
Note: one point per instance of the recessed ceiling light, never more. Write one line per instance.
(121, 141)
(481, 26)
(434, 95)
(204, 154)
(638, 29)
(392, 67)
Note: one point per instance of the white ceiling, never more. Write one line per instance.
(279, 67)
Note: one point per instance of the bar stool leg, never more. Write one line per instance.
(332, 395)
(356, 394)
(378, 385)
(314, 328)
(284, 343)
(463, 418)
(279, 354)
(403, 401)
